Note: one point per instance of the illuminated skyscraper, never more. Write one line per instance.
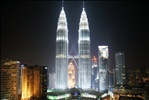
(34, 82)
(103, 68)
(120, 68)
(61, 65)
(84, 72)
(10, 80)
(94, 73)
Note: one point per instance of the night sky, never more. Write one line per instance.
(28, 30)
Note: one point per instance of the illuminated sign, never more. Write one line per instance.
(58, 97)
(87, 95)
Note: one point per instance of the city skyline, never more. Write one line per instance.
(28, 30)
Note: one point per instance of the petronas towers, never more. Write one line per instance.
(61, 60)
(84, 53)
(61, 66)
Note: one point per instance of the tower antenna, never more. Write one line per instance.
(83, 4)
(62, 3)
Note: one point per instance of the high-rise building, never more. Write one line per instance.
(94, 68)
(34, 82)
(10, 80)
(103, 68)
(94, 78)
(84, 72)
(71, 75)
(61, 65)
(120, 68)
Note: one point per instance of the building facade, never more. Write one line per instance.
(120, 78)
(10, 80)
(34, 82)
(103, 68)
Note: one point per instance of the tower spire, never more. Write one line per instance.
(83, 4)
(62, 3)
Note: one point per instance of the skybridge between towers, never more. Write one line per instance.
(73, 56)
(72, 59)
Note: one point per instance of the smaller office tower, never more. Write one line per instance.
(120, 68)
(103, 68)
(71, 75)
(10, 80)
(34, 82)
(84, 72)
(61, 64)
(94, 73)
